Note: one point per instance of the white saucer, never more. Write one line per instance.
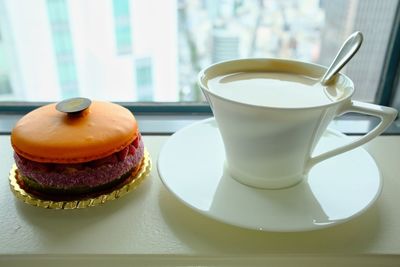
(191, 165)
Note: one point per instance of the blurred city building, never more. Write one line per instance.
(374, 19)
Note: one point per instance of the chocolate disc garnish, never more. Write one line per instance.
(73, 105)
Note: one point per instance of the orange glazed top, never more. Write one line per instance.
(48, 135)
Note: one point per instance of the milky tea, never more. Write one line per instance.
(274, 89)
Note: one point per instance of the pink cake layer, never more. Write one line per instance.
(88, 174)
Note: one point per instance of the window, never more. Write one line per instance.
(150, 50)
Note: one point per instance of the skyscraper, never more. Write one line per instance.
(63, 47)
(123, 34)
(144, 79)
(374, 19)
(5, 85)
(26, 40)
(225, 46)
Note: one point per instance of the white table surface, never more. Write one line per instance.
(150, 227)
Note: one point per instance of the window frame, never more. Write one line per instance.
(162, 118)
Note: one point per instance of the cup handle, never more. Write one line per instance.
(386, 114)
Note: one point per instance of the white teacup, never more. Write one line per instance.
(269, 136)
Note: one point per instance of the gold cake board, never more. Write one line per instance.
(34, 200)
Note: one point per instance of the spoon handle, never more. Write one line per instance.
(346, 52)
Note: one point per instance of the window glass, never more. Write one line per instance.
(151, 50)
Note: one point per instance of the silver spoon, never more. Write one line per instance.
(346, 52)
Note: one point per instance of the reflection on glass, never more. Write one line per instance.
(150, 50)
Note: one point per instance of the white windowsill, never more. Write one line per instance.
(149, 226)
